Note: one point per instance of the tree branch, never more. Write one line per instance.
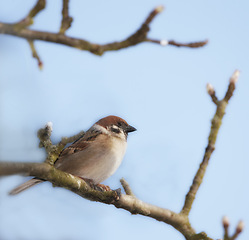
(47, 172)
(35, 54)
(77, 185)
(128, 201)
(126, 187)
(66, 19)
(53, 151)
(211, 92)
(177, 44)
(20, 30)
(215, 126)
(238, 230)
(27, 21)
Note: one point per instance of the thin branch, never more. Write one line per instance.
(27, 21)
(66, 19)
(40, 5)
(44, 135)
(211, 92)
(77, 185)
(239, 229)
(225, 223)
(35, 54)
(126, 187)
(216, 123)
(138, 37)
(233, 80)
(58, 178)
(136, 206)
(53, 151)
(177, 44)
(152, 15)
(128, 201)
(190, 45)
(65, 140)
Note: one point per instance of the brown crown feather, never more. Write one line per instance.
(111, 120)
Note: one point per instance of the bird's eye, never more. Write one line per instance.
(115, 129)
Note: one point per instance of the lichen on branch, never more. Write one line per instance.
(20, 29)
(215, 126)
(66, 19)
(53, 151)
(128, 201)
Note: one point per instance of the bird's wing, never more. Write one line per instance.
(80, 144)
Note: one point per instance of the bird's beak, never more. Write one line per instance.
(130, 129)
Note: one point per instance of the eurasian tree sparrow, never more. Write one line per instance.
(95, 156)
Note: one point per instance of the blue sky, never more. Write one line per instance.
(159, 90)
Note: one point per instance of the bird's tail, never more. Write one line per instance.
(32, 182)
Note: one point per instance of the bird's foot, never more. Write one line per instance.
(118, 192)
(102, 188)
(98, 187)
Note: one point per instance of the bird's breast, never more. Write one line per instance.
(98, 161)
(108, 158)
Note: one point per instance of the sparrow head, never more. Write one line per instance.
(116, 126)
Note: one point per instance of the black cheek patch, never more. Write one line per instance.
(116, 130)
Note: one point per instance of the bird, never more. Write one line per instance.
(95, 156)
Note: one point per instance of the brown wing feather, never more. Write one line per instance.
(77, 146)
(80, 144)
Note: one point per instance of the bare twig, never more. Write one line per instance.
(190, 45)
(19, 30)
(211, 92)
(44, 135)
(233, 80)
(40, 5)
(226, 223)
(177, 44)
(35, 54)
(130, 203)
(66, 19)
(27, 21)
(65, 140)
(136, 38)
(58, 178)
(239, 229)
(53, 151)
(216, 123)
(126, 187)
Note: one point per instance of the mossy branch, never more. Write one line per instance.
(20, 29)
(79, 186)
(128, 201)
(53, 151)
(27, 21)
(126, 187)
(215, 126)
(66, 19)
